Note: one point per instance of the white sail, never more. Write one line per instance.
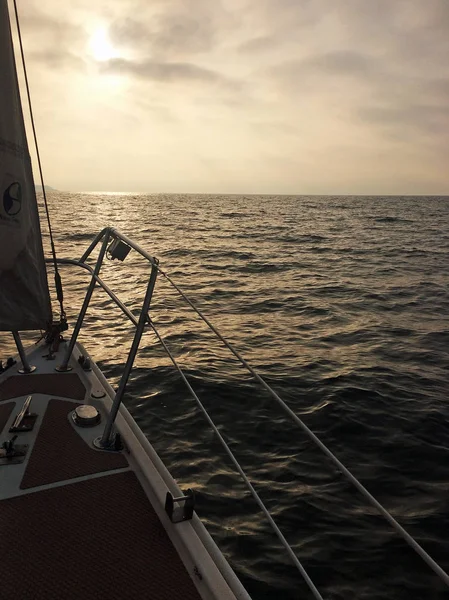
(24, 295)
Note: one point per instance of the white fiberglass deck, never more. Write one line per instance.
(77, 522)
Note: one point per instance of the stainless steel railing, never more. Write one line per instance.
(144, 319)
(105, 236)
(107, 440)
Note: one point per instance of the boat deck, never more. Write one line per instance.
(77, 522)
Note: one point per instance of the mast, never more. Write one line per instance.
(24, 294)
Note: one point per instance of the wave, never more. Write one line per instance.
(346, 321)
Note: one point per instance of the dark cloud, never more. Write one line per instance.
(340, 62)
(438, 89)
(275, 17)
(261, 76)
(408, 32)
(165, 35)
(277, 23)
(174, 29)
(376, 76)
(268, 128)
(324, 71)
(418, 114)
(407, 121)
(261, 43)
(164, 71)
(49, 29)
(399, 103)
(49, 40)
(56, 59)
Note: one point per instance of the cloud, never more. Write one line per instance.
(173, 29)
(360, 86)
(165, 35)
(259, 44)
(340, 62)
(50, 41)
(415, 125)
(40, 27)
(438, 89)
(277, 16)
(427, 118)
(327, 76)
(164, 71)
(56, 59)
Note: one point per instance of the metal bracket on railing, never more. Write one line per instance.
(183, 512)
(118, 250)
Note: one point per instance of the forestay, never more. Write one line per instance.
(24, 295)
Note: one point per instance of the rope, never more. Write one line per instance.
(361, 488)
(228, 451)
(58, 282)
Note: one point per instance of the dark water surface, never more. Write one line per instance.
(342, 305)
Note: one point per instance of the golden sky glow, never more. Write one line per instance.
(100, 45)
(241, 96)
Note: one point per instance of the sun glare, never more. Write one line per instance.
(100, 45)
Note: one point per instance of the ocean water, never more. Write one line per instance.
(342, 305)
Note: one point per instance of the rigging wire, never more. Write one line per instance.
(229, 452)
(58, 281)
(341, 467)
(402, 532)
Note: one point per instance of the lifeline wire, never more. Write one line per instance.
(361, 488)
(402, 532)
(228, 451)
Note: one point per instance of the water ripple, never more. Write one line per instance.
(342, 303)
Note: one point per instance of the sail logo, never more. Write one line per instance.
(12, 199)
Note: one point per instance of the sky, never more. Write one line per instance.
(241, 96)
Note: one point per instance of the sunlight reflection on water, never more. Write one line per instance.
(342, 304)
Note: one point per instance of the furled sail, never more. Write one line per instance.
(24, 295)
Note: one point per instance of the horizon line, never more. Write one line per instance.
(146, 193)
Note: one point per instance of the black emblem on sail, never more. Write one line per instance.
(12, 199)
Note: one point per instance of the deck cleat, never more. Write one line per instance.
(24, 420)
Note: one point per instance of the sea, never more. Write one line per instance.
(341, 304)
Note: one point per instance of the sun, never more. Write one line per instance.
(100, 45)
